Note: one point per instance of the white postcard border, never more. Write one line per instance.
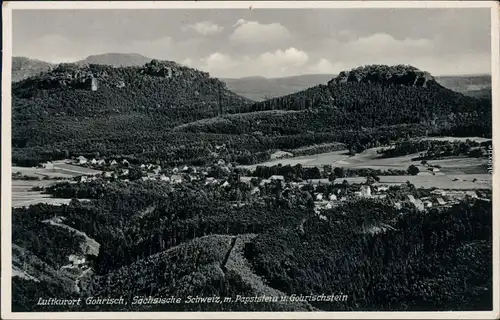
(6, 268)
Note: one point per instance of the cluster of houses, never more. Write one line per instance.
(438, 198)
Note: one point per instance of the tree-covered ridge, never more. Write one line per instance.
(165, 112)
(91, 90)
(384, 260)
(402, 75)
(422, 260)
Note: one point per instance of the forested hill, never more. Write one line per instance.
(399, 75)
(94, 90)
(372, 97)
(167, 113)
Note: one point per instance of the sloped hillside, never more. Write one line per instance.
(409, 261)
(360, 100)
(169, 113)
(49, 258)
(23, 68)
(162, 87)
(210, 266)
(82, 108)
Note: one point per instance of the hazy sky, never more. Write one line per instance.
(265, 42)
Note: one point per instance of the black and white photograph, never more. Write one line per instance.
(235, 157)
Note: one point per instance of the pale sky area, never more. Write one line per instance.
(265, 42)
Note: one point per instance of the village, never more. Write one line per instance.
(326, 194)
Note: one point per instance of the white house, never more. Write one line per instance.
(125, 162)
(81, 160)
(93, 161)
(366, 191)
(143, 166)
(226, 184)
(221, 162)
(438, 192)
(319, 197)
(185, 168)
(101, 162)
(419, 204)
(211, 180)
(164, 178)
(114, 163)
(255, 190)
(333, 197)
(277, 177)
(175, 170)
(176, 178)
(264, 182)
(76, 260)
(48, 165)
(441, 201)
(125, 172)
(108, 174)
(411, 198)
(471, 194)
(382, 188)
(246, 180)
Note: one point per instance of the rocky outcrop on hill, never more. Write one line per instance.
(401, 75)
(116, 59)
(72, 89)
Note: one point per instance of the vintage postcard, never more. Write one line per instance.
(250, 160)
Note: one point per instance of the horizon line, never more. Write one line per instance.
(242, 77)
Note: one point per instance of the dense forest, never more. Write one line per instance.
(421, 262)
(165, 112)
(434, 149)
(293, 250)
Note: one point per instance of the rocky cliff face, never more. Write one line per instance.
(400, 75)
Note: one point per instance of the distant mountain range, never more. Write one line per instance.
(260, 88)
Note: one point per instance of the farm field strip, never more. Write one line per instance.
(22, 194)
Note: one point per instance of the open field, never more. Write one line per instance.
(61, 170)
(442, 181)
(477, 139)
(63, 167)
(23, 196)
(464, 182)
(42, 173)
(370, 159)
(462, 169)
